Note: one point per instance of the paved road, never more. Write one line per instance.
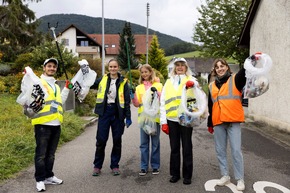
(265, 160)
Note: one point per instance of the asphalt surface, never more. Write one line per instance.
(266, 157)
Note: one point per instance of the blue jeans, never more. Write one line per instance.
(155, 149)
(47, 138)
(110, 119)
(222, 133)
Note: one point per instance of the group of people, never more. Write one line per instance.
(113, 109)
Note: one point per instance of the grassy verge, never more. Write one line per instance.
(17, 136)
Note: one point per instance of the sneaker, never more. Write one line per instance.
(142, 172)
(96, 172)
(53, 180)
(241, 185)
(116, 171)
(155, 171)
(223, 181)
(40, 186)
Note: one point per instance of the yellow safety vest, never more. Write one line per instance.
(227, 106)
(140, 91)
(173, 97)
(46, 115)
(102, 90)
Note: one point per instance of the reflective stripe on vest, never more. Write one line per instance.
(102, 90)
(173, 97)
(227, 106)
(140, 91)
(46, 115)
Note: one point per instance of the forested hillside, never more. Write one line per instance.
(92, 25)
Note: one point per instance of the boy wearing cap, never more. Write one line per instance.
(47, 128)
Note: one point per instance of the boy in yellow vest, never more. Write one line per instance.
(47, 127)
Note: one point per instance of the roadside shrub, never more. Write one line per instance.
(22, 61)
(87, 106)
(5, 69)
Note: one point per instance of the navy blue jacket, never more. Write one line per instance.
(123, 112)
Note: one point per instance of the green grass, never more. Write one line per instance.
(17, 136)
(185, 55)
(196, 54)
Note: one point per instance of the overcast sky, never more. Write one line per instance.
(172, 17)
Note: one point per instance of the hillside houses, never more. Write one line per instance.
(90, 45)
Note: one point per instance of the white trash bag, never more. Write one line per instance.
(83, 80)
(257, 73)
(33, 94)
(147, 119)
(192, 110)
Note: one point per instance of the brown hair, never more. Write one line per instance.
(224, 62)
(148, 67)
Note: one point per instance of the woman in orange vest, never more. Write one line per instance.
(225, 115)
(148, 80)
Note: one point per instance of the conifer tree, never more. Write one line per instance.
(156, 57)
(122, 56)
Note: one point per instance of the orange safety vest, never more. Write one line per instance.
(227, 106)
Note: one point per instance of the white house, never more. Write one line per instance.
(267, 29)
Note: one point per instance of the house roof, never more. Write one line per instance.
(112, 43)
(244, 39)
(80, 32)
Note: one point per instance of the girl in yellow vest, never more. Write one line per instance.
(113, 107)
(47, 126)
(148, 80)
(169, 102)
(225, 115)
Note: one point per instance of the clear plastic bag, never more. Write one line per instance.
(83, 79)
(257, 73)
(192, 110)
(147, 119)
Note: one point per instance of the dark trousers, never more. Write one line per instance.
(110, 119)
(177, 134)
(47, 138)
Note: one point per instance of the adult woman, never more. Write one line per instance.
(147, 81)
(112, 106)
(169, 103)
(225, 115)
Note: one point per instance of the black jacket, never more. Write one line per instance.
(240, 81)
(100, 107)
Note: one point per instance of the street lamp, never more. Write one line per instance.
(103, 40)
(147, 33)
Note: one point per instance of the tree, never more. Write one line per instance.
(219, 28)
(17, 28)
(156, 57)
(122, 56)
(180, 48)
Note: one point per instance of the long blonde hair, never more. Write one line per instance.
(152, 78)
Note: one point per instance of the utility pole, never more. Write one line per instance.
(147, 33)
(103, 40)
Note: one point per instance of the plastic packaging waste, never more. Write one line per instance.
(192, 110)
(147, 119)
(32, 93)
(83, 80)
(257, 73)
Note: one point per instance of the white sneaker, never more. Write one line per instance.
(53, 180)
(40, 186)
(241, 185)
(224, 180)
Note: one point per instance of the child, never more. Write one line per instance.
(148, 80)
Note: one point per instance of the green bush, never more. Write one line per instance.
(22, 61)
(5, 69)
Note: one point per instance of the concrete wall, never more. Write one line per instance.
(270, 34)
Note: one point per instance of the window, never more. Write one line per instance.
(65, 42)
(84, 43)
(113, 46)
